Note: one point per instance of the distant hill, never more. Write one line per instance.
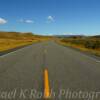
(76, 36)
(10, 40)
(18, 35)
(96, 36)
(69, 36)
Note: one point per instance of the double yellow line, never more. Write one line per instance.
(46, 85)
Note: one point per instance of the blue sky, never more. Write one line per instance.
(51, 16)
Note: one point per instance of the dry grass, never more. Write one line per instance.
(6, 44)
(9, 40)
(80, 46)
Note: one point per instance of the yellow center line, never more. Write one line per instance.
(46, 85)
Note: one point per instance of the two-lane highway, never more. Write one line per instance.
(72, 75)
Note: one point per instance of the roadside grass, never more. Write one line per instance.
(90, 45)
(6, 44)
(10, 40)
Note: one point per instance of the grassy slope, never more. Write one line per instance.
(87, 44)
(9, 40)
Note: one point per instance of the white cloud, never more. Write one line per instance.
(49, 34)
(3, 21)
(29, 21)
(50, 19)
(67, 33)
(26, 21)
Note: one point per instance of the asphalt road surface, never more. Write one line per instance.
(72, 74)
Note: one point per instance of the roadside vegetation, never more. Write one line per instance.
(9, 40)
(89, 44)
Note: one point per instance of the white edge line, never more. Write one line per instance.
(93, 58)
(6, 54)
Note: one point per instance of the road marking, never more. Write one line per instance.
(7, 54)
(46, 85)
(13, 52)
(98, 61)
